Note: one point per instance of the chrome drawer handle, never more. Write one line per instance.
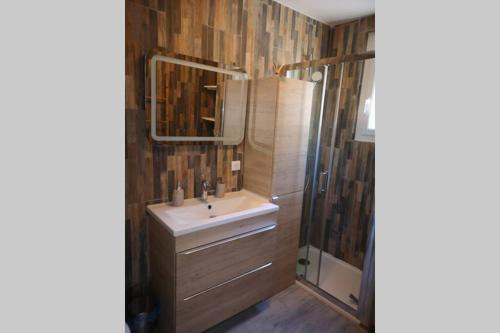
(230, 239)
(228, 281)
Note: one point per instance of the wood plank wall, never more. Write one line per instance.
(251, 34)
(353, 176)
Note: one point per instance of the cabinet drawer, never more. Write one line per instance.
(208, 308)
(206, 266)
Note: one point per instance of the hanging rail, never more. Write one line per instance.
(327, 61)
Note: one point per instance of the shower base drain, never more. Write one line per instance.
(303, 262)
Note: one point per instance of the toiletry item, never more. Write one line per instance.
(219, 190)
(178, 196)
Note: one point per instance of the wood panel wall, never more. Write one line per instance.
(353, 180)
(250, 34)
(353, 177)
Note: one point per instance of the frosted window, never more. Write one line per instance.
(365, 125)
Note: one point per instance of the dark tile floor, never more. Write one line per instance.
(294, 310)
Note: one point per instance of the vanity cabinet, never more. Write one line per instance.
(200, 284)
(276, 143)
(204, 276)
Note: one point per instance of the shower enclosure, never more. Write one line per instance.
(336, 249)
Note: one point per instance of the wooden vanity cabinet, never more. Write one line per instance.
(203, 285)
(205, 277)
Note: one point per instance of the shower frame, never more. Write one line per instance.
(366, 303)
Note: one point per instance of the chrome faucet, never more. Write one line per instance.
(204, 191)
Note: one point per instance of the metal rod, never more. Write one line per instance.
(314, 188)
(328, 61)
(330, 167)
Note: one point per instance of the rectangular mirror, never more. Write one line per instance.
(194, 100)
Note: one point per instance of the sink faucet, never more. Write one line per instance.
(204, 191)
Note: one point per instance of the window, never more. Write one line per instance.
(365, 125)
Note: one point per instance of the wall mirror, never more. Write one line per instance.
(193, 100)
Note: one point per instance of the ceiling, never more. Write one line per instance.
(332, 12)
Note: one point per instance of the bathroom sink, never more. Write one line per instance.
(197, 215)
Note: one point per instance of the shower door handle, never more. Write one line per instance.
(323, 176)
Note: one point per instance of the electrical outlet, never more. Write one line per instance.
(235, 165)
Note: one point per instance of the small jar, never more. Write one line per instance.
(219, 190)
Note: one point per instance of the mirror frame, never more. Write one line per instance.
(158, 57)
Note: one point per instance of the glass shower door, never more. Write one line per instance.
(338, 196)
(311, 259)
(309, 256)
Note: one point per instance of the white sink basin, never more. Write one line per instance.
(195, 215)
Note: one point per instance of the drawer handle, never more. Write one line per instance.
(228, 281)
(204, 247)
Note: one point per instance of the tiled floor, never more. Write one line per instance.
(294, 310)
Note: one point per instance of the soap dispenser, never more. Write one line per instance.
(178, 195)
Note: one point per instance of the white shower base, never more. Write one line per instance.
(337, 277)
